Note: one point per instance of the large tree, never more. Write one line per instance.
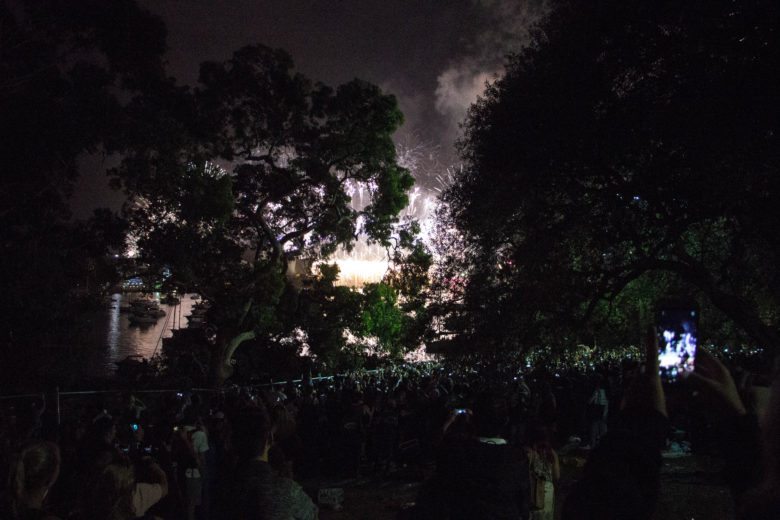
(251, 171)
(66, 71)
(631, 144)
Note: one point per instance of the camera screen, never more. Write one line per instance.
(677, 338)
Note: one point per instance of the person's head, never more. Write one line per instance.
(490, 415)
(538, 436)
(110, 494)
(283, 422)
(252, 433)
(104, 429)
(137, 430)
(32, 472)
(218, 420)
(190, 417)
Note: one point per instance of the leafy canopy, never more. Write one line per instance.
(254, 170)
(629, 138)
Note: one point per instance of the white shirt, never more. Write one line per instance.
(200, 444)
(145, 496)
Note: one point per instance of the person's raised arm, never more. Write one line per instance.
(646, 390)
(622, 475)
(740, 437)
(716, 381)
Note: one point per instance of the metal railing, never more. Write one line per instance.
(57, 394)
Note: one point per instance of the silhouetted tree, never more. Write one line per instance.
(629, 138)
(66, 69)
(292, 151)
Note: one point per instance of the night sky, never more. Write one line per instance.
(434, 55)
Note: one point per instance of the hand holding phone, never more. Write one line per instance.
(715, 379)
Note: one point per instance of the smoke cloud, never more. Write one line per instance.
(507, 25)
(459, 86)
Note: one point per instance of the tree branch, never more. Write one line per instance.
(234, 343)
(269, 233)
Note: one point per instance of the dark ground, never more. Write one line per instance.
(691, 490)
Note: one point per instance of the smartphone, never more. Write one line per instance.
(677, 326)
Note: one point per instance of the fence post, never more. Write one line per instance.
(59, 418)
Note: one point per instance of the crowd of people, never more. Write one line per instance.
(488, 431)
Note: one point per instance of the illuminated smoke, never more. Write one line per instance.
(507, 30)
(368, 263)
(459, 86)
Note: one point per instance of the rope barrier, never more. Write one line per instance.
(168, 390)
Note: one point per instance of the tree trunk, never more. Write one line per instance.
(223, 355)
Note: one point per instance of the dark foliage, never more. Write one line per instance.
(630, 149)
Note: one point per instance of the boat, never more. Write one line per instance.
(146, 308)
(143, 319)
(170, 300)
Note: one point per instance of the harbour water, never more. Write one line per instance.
(115, 338)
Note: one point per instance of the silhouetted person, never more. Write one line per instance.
(257, 492)
(32, 473)
(477, 476)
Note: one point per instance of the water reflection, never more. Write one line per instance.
(122, 338)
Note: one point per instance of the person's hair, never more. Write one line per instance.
(110, 493)
(36, 466)
(283, 423)
(538, 437)
(102, 427)
(490, 414)
(251, 431)
(190, 417)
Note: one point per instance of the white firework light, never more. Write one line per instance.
(368, 263)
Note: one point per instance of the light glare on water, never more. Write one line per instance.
(116, 338)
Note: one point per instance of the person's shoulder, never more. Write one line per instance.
(253, 467)
(253, 476)
(291, 501)
(761, 506)
(200, 440)
(145, 495)
(285, 484)
(286, 490)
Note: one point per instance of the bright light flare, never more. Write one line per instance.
(355, 272)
